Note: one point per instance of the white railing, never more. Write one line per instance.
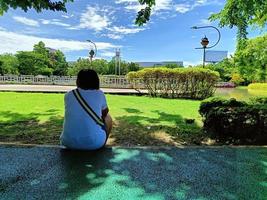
(105, 81)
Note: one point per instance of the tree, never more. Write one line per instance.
(33, 63)
(59, 64)
(8, 64)
(37, 5)
(143, 15)
(237, 79)
(252, 59)
(241, 14)
(173, 65)
(100, 66)
(40, 48)
(225, 68)
(81, 63)
(133, 67)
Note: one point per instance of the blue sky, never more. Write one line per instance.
(110, 24)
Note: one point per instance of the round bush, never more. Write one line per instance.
(194, 83)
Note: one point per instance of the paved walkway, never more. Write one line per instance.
(133, 173)
(58, 88)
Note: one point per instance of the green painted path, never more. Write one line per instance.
(134, 173)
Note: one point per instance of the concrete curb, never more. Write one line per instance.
(138, 147)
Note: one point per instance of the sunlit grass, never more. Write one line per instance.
(38, 118)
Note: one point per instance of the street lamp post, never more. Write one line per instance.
(205, 41)
(92, 53)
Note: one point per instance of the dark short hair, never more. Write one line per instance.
(88, 79)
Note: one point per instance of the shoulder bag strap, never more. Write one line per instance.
(87, 108)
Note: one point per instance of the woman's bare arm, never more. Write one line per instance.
(104, 113)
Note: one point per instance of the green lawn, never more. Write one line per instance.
(38, 118)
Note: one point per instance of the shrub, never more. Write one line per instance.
(236, 120)
(195, 83)
(237, 79)
(257, 86)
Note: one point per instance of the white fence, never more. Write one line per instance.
(105, 81)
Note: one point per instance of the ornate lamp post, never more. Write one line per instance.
(92, 53)
(205, 41)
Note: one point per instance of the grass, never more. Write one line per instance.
(38, 117)
(258, 86)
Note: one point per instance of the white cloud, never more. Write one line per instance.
(12, 42)
(2, 28)
(108, 54)
(167, 5)
(113, 36)
(125, 1)
(94, 19)
(26, 21)
(118, 32)
(205, 22)
(124, 30)
(136, 6)
(67, 16)
(54, 22)
(182, 8)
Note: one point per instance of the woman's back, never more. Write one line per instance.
(80, 131)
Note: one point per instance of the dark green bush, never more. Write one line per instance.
(194, 83)
(236, 120)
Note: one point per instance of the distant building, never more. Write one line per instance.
(159, 64)
(215, 56)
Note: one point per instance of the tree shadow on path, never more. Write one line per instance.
(138, 173)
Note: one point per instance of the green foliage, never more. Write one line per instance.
(37, 5)
(252, 59)
(240, 14)
(259, 100)
(133, 67)
(236, 120)
(237, 79)
(143, 15)
(257, 86)
(195, 83)
(39, 61)
(248, 64)
(102, 66)
(225, 68)
(8, 64)
(40, 48)
(173, 65)
(33, 63)
(59, 64)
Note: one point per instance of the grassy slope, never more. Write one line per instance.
(37, 118)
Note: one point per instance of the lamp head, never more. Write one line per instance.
(194, 27)
(92, 53)
(204, 42)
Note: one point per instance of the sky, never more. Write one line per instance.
(110, 24)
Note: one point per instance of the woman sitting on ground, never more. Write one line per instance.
(87, 123)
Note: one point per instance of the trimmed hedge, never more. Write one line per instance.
(244, 122)
(258, 86)
(194, 83)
